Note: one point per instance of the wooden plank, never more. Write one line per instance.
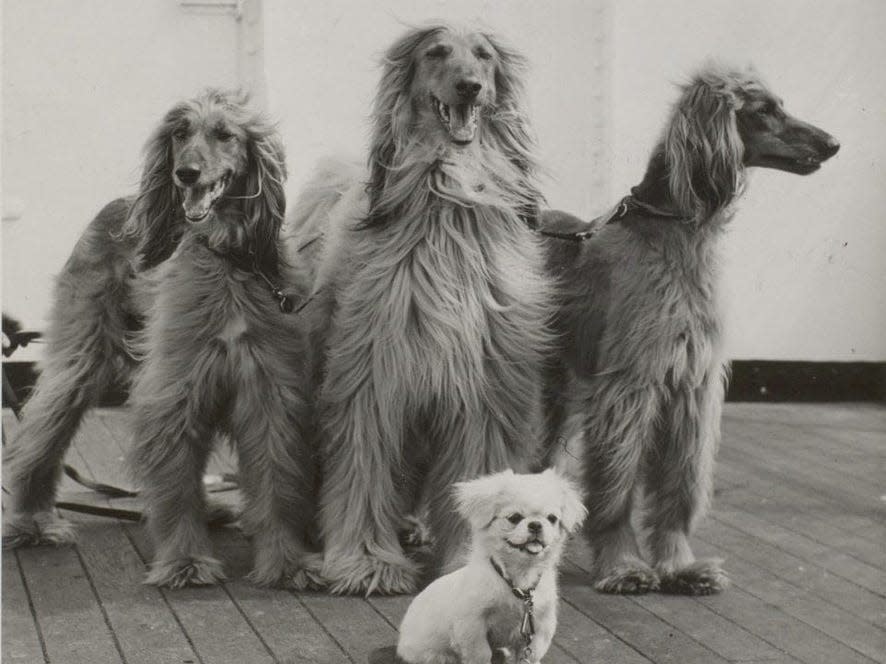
(286, 625)
(21, 638)
(70, 618)
(352, 622)
(828, 587)
(216, 628)
(785, 632)
(633, 624)
(728, 640)
(837, 562)
(868, 417)
(146, 629)
(793, 600)
(589, 643)
(724, 637)
(762, 495)
(801, 471)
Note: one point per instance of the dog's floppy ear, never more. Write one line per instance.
(703, 148)
(265, 211)
(155, 218)
(572, 509)
(476, 499)
(392, 118)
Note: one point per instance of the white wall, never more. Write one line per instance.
(806, 275)
(83, 85)
(322, 61)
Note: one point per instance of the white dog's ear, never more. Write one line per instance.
(573, 511)
(475, 499)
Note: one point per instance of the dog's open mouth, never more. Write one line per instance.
(798, 165)
(199, 199)
(533, 547)
(459, 120)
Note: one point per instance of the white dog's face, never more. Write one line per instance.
(522, 519)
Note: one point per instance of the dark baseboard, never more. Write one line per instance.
(752, 380)
(771, 381)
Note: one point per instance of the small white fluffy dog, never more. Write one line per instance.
(505, 598)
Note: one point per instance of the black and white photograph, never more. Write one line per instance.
(443, 331)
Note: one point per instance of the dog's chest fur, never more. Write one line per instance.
(199, 295)
(460, 295)
(662, 317)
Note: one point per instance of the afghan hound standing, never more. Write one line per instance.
(194, 257)
(642, 373)
(431, 323)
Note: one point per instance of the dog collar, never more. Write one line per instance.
(626, 205)
(527, 622)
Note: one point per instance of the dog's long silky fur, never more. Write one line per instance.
(430, 325)
(642, 372)
(216, 355)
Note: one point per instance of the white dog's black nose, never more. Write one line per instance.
(534, 526)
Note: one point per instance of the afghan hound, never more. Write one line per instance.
(194, 260)
(642, 373)
(431, 323)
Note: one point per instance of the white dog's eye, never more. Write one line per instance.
(553, 519)
(515, 518)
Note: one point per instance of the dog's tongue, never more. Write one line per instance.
(463, 122)
(534, 547)
(198, 200)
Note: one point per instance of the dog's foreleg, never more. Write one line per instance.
(173, 418)
(679, 487)
(83, 356)
(361, 503)
(268, 421)
(617, 430)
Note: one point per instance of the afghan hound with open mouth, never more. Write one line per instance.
(431, 318)
(641, 377)
(191, 268)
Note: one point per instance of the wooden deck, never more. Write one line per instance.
(798, 518)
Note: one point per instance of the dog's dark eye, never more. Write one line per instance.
(515, 518)
(223, 135)
(767, 109)
(180, 134)
(553, 519)
(483, 54)
(439, 51)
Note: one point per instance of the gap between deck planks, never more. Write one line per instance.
(798, 519)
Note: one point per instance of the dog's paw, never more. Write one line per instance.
(364, 575)
(627, 579)
(703, 577)
(414, 534)
(195, 571)
(21, 530)
(300, 576)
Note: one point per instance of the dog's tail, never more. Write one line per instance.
(307, 224)
(331, 179)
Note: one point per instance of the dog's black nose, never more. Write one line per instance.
(187, 175)
(833, 146)
(534, 526)
(468, 88)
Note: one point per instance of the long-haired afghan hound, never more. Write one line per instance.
(642, 373)
(194, 259)
(431, 323)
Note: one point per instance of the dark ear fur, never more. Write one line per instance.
(703, 149)
(264, 213)
(391, 117)
(155, 218)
